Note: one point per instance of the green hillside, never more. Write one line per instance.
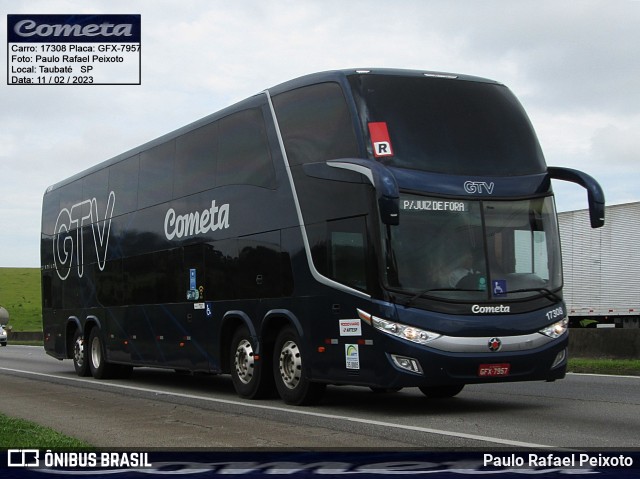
(20, 294)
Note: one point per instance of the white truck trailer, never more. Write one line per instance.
(602, 267)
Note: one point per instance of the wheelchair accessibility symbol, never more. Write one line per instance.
(499, 287)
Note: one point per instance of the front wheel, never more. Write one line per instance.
(290, 371)
(441, 392)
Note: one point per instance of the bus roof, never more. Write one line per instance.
(339, 76)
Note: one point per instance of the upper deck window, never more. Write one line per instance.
(315, 124)
(449, 126)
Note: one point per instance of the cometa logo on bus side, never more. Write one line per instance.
(197, 222)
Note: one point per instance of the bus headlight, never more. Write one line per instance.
(399, 330)
(556, 330)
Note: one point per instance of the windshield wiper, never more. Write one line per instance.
(410, 301)
(550, 295)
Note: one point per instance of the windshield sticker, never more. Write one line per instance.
(431, 205)
(380, 139)
(499, 287)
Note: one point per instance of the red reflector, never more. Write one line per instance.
(321, 349)
(492, 370)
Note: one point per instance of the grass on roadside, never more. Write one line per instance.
(630, 367)
(18, 433)
(20, 294)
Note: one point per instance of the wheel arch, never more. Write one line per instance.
(74, 324)
(274, 321)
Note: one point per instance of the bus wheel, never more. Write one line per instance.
(80, 355)
(289, 371)
(100, 368)
(247, 368)
(441, 392)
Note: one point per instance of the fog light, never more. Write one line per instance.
(408, 364)
(560, 357)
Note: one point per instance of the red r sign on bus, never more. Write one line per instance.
(380, 139)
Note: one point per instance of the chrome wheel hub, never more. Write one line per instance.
(290, 364)
(244, 361)
(96, 353)
(78, 351)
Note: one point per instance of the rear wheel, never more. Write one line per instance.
(441, 392)
(80, 355)
(290, 371)
(100, 368)
(250, 373)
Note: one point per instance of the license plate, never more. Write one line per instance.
(492, 370)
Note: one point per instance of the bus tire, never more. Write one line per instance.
(80, 355)
(249, 373)
(441, 392)
(100, 368)
(289, 371)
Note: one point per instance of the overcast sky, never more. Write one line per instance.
(575, 66)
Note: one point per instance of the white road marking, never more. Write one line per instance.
(440, 432)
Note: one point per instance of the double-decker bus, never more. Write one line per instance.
(381, 228)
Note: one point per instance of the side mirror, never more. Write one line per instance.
(595, 194)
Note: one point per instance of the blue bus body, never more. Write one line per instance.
(383, 228)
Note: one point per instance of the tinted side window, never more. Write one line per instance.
(315, 124)
(195, 167)
(339, 250)
(152, 278)
(156, 175)
(244, 154)
(123, 180)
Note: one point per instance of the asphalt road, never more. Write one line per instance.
(157, 408)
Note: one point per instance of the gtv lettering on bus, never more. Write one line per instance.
(195, 223)
(66, 248)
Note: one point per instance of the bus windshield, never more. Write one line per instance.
(448, 126)
(473, 250)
